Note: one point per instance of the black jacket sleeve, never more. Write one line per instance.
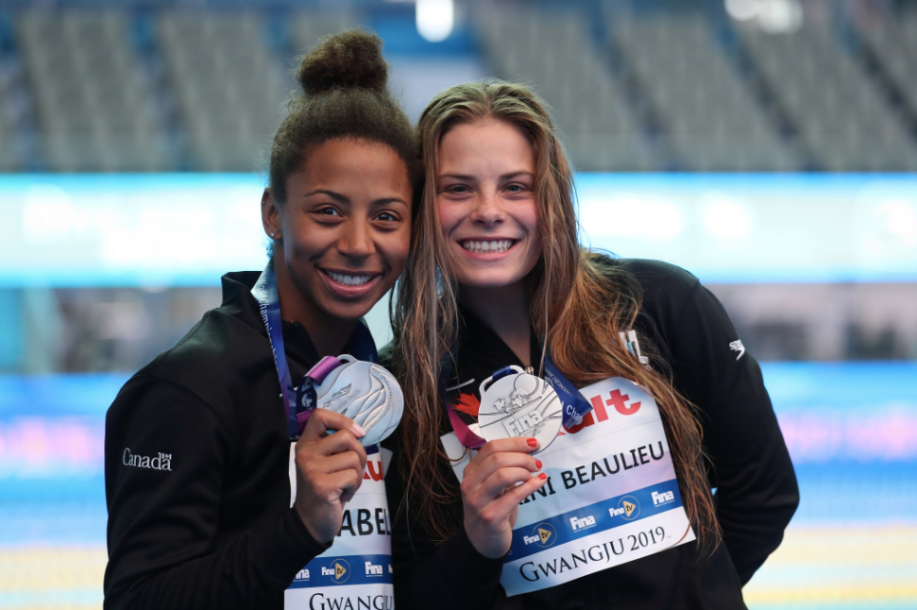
(447, 576)
(756, 486)
(162, 527)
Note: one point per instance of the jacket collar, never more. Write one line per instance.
(239, 302)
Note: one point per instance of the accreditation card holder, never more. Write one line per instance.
(611, 496)
(356, 572)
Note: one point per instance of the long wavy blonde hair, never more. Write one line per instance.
(579, 302)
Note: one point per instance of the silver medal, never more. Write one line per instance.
(520, 405)
(366, 393)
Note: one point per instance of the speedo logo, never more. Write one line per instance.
(339, 571)
(581, 524)
(543, 534)
(663, 498)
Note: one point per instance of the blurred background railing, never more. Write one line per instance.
(769, 146)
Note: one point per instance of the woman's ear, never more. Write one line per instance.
(270, 215)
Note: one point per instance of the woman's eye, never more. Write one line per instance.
(387, 217)
(457, 189)
(516, 188)
(328, 212)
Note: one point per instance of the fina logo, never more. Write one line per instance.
(373, 569)
(543, 534)
(526, 421)
(663, 498)
(581, 524)
(339, 571)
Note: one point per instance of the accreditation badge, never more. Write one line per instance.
(356, 572)
(611, 496)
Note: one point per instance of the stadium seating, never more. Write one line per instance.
(94, 112)
(229, 88)
(15, 111)
(841, 117)
(552, 52)
(666, 90)
(9, 161)
(894, 43)
(709, 114)
(308, 28)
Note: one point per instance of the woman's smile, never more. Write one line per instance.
(488, 246)
(351, 284)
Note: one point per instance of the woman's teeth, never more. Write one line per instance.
(499, 245)
(349, 280)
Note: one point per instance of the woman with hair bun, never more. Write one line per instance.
(222, 484)
(506, 328)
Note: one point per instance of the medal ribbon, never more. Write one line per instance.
(299, 402)
(575, 404)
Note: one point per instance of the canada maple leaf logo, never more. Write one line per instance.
(467, 403)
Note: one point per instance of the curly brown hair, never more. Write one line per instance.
(344, 96)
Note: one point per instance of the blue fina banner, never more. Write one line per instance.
(189, 229)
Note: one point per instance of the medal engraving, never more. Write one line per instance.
(519, 405)
(366, 393)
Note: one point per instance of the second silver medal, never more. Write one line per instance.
(519, 405)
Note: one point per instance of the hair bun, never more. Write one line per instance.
(351, 59)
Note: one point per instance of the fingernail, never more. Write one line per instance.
(538, 464)
(542, 476)
(532, 442)
(358, 430)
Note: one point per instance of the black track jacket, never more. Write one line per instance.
(196, 469)
(749, 465)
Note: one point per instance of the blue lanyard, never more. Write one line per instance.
(298, 402)
(575, 404)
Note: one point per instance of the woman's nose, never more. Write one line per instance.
(356, 240)
(487, 209)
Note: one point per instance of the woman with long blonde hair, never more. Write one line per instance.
(616, 509)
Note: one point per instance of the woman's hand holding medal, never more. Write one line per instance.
(496, 480)
(329, 470)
